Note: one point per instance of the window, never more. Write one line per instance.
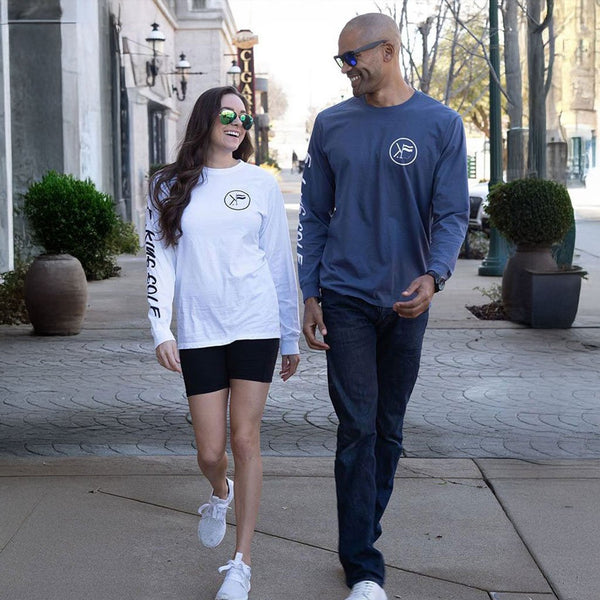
(574, 162)
(198, 4)
(156, 134)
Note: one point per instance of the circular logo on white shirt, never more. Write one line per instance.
(237, 200)
(403, 151)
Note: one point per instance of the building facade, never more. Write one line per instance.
(573, 103)
(84, 91)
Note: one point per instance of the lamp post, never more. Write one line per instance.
(497, 256)
(234, 73)
(182, 68)
(157, 39)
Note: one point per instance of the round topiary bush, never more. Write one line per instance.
(531, 212)
(70, 216)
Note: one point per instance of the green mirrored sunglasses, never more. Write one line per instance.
(227, 115)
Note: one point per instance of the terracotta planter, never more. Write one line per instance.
(56, 294)
(516, 280)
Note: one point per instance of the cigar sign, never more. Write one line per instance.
(244, 41)
(246, 63)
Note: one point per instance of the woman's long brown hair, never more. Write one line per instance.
(170, 188)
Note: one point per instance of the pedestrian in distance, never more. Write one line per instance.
(383, 214)
(218, 249)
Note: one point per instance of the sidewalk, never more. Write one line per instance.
(124, 527)
(113, 529)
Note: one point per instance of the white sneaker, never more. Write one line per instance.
(367, 590)
(237, 581)
(212, 526)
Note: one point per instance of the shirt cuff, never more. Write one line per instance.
(289, 347)
(310, 291)
(162, 336)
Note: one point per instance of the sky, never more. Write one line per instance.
(297, 42)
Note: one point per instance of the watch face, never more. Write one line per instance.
(438, 280)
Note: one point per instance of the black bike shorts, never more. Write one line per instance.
(210, 369)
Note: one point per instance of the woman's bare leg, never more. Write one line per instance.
(247, 404)
(209, 419)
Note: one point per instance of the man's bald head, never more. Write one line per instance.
(374, 26)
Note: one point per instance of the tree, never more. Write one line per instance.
(311, 116)
(447, 56)
(540, 79)
(515, 150)
(278, 101)
(443, 56)
(417, 54)
(460, 81)
(512, 63)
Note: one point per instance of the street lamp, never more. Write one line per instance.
(157, 39)
(183, 68)
(234, 72)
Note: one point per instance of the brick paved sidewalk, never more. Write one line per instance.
(483, 392)
(486, 388)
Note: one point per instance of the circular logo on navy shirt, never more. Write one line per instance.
(403, 151)
(237, 200)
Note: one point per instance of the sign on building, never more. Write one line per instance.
(245, 41)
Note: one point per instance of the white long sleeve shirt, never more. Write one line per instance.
(231, 275)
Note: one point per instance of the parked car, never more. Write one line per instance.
(478, 218)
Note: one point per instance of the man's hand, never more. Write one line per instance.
(289, 364)
(168, 356)
(424, 287)
(313, 318)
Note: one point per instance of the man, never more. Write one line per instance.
(383, 214)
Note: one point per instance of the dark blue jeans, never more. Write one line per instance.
(372, 367)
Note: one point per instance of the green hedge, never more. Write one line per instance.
(531, 211)
(70, 216)
(12, 295)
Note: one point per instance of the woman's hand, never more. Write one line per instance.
(289, 364)
(168, 356)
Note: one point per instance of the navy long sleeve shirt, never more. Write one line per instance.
(384, 198)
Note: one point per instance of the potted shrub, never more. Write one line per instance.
(12, 295)
(74, 224)
(534, 214)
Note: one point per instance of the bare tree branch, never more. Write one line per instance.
(551, 50)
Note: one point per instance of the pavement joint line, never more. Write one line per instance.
(453, 481)
(290, 540)
(436, 578)
(512, 521)
(23, 521)
(445, 480)
(580, 250)
(146, 502)
(493, 595)
(387, 565)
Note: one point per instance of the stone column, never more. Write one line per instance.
(556, 159)
(36, 96)
(6, 205)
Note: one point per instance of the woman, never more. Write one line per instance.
(218, 247)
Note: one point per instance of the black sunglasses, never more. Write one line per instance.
(350, 57)
(226, 116)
